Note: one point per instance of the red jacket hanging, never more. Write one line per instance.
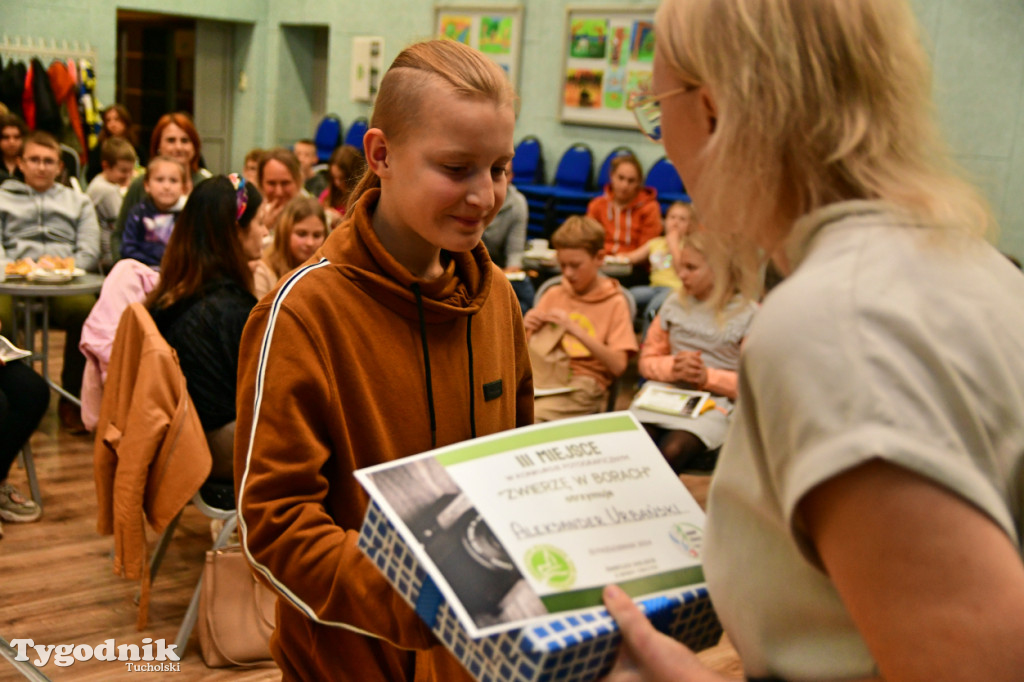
(66, 93)
(28, 102)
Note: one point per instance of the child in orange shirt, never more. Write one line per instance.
(590, 308)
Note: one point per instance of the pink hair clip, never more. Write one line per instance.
(241, 197)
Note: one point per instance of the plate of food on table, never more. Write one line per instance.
(46, 270)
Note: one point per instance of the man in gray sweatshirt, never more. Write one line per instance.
(39, 217)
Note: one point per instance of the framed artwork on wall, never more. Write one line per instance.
(609, 53)
(497, 31)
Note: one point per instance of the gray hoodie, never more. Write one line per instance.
(58, 222)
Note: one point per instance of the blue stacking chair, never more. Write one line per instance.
(575, 170)
(327, 137)
(355, 133)
(664, 178)
(604, 174)
(527, 174)
(528, 163)
(570, 191)
(573, 189)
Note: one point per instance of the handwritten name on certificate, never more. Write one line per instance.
(526, 523)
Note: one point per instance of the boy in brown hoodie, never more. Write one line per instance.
(397, 336)
(593, 315)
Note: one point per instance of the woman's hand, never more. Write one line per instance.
(689, 367)
(268, 213)
(646, 654)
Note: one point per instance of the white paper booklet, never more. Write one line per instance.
(666, 399)
(9, 352)
(518, 525)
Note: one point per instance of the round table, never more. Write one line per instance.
(30, 298)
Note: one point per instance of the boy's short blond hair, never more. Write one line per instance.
(116, 149)
(579, 232)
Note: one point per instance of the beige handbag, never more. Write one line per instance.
(236, 611)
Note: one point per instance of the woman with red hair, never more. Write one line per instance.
(174, 135)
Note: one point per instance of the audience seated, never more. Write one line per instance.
(24, 397)
(630, 215)
(204, 297)
(346, 167)
(301, 229)
(280, 180)
(505, 239)
(174, 135)
(313, 182)
(251, 166)
(71, 231)
(107, 190)
(662, 256)
(151, 221)
(12, 134)
(129, 281)
(693, 345)
(117, 124)
(585, 319)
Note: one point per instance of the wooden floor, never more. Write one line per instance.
(56, 580)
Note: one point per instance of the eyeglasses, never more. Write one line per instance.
(43, 161)
(646, 107)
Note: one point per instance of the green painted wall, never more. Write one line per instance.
(975, 46)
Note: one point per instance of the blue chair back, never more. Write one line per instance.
(327, 137)
(575, 168)
(528, 163)
(604, 174)
(355, 133)
(663, 177)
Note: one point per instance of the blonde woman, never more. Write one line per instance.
(866, 514)
(379, 350)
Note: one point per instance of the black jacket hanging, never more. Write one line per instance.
(47, 111)
(12, 84)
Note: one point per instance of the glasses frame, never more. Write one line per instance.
(646, 109)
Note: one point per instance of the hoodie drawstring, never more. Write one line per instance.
(472, 393)
(426, 364)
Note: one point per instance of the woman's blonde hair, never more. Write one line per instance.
(279, 255)
(467, 72)
(817, 101)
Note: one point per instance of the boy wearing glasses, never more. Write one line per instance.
(39, 217)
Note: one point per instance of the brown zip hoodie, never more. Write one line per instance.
(352, 362)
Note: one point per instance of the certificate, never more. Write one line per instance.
(520, 525)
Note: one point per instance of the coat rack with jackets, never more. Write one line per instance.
(51, 85)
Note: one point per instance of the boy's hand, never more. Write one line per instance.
(645, 654)
(534, 320)
(563, 318)
(688, 367)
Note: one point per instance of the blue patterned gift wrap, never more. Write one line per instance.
(570, 648)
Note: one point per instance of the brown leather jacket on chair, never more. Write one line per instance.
(150, 455)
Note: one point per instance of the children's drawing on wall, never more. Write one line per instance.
(614, 89)
(456, 28)
(496, 35)
(588, 38)
(617, 55)
(638, 80)
(583, 88)
(642, 49)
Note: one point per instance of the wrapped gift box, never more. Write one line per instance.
(562, 647)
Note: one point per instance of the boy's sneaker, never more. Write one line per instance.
(16, 507)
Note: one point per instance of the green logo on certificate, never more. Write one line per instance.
(551, 566)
